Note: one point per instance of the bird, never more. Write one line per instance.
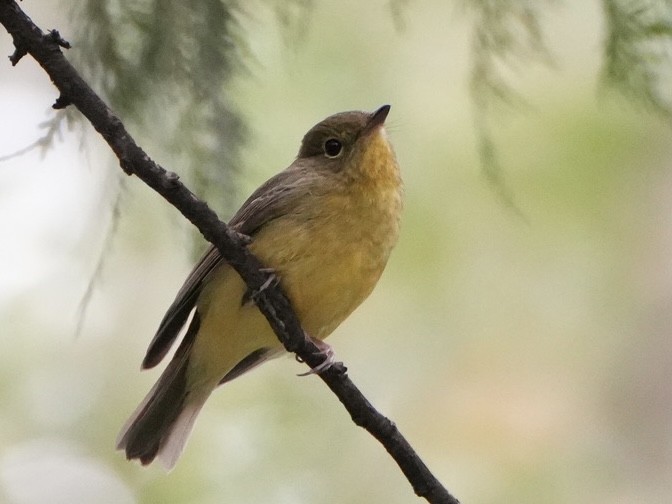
(325, 226)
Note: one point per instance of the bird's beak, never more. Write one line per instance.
(376, 119)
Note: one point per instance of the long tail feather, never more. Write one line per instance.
(161, 423)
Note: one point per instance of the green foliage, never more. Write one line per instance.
(506, 35)
(637, 51)
(293, 17)
(166, 66)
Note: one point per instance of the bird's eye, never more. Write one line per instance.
(333, 148)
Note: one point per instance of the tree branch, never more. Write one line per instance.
(271, 301)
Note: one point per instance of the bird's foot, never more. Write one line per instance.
(325, 350)
(244, 239)
(250, 297)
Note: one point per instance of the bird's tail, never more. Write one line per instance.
(161, 424)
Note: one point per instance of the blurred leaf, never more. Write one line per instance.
(506, 35)
(166, 67)
(637, 52)
(293, 16)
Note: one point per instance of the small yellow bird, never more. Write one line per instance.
(325, 225)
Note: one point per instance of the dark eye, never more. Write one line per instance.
(333, 148)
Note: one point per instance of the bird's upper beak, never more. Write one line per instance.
(376, 119)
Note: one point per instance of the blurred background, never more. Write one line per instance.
(520, 335)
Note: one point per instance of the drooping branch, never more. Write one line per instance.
(271, 301)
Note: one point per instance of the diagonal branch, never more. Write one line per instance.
(271, 301)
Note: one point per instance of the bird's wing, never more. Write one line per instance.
(179, 310)
(276, 197)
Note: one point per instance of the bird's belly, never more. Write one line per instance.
(324, 292)
(325, 274)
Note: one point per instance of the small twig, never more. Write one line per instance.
(271, 301)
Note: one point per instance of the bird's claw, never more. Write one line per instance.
(251, 296)
(244, 239)
(329, 358)
(270, 280)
